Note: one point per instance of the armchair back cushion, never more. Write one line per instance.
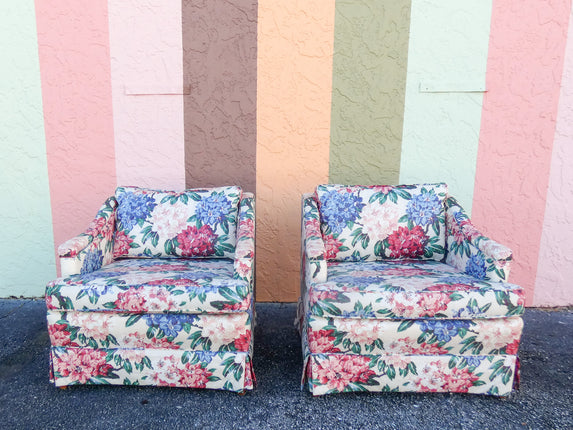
(191, 223)
(383, 222)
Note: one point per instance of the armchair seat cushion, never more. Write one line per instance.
(410, 289)
(180, 285)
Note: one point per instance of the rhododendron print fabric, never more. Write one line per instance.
(381, 222)
(192, 223)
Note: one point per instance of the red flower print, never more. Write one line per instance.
(451, 287)
(130, 300)
(247, 228)
(337, 372)
(332, 246)
(322, 341)
(194, 376)
(197, 242)
(59, 336)
(243, 342)
(404, 243)
(240, 306)
(459, 381)
(121, 244)
(431, 304)
(82, 364)
(512, 347)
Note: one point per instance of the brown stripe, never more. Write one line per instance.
(220, 70)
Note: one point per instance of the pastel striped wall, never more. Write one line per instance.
(27, 251)
(281, 96)
(147, 92)
(525, 65)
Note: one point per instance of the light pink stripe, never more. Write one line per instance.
(555, 268)
(147, 84)
(73, 46)
(525, 64)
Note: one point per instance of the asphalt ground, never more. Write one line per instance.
(29, 401)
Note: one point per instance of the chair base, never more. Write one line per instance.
(473, 374)
(231, 371)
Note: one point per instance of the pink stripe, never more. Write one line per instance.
(73, 45)
(525, 62)
(147, 84)
(555, 271)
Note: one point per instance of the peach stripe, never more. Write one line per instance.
(525, 64)
(294, 87)
(73, 46)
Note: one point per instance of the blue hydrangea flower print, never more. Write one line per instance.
(359, 313)
(93, 261)
(443, 330)
(213, 209)
(476, 267)
(424, 208)
(474, 361)
(133, 207)
(170, 324)
(340, 208)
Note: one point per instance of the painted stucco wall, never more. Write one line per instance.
(271, 95)
(369, 79)
(446, 80)
(147, 89)
(555, 265)
(27, 251)
(220, 70)
(73, 46)
(525, 65)
(293, 126)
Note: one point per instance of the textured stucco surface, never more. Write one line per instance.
(293, 127)
(553, 286)
(525, 65)
(147, 87)
(73, 45)
(27, 252)
(369, 80)
(220, 69)
(446, 73)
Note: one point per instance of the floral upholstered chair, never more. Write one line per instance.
(400, 292)
(158, 291)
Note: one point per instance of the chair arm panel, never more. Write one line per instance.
(245, 248)
(314, 251)
(93, 248)
(469, 250)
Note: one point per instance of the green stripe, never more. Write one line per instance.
(369, 84)
(27, 251)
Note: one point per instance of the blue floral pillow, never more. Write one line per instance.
(191, 223)
(383, 222)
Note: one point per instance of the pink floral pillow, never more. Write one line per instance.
(191, 223)
(383, 222)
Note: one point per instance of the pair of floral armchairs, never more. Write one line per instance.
(399, 293)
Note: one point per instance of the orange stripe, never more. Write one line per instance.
(525, 64)
(294, 87)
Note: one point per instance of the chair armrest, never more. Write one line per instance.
(245, 248)
(469, 250)
(313, 248)
(93, 248)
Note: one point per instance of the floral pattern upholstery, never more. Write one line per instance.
(168, 320)
(379, 320)
(192, 223)
(379, 222)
